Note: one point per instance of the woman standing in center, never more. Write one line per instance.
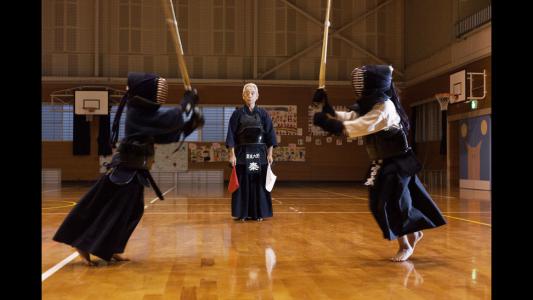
(250, 139)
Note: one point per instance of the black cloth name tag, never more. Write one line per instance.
(253, 161)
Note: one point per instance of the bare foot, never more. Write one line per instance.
(119, 257)
(404, 249)
(86, 257)
(414, 238)
(403, 254)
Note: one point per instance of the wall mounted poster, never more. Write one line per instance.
(284, 118)
(208, 153)
(293, 153)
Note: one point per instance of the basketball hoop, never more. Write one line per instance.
(444, 99)
(89, 116)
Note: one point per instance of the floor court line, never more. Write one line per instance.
(60, 189)
(156, 198)
(466, 220)
(335, 193)
(58, 266)
(70, 204)
(65, 261)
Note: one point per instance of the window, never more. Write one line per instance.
(130, 16)
(224, 27)
(65, 25)
(216, 124)
(57, 121)
(228, 111)
(280, 31)
(428, 122)
(213, 129)
(122, 125)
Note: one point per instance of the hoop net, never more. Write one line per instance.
(444, 99)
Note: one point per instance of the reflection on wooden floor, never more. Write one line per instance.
(322, 243)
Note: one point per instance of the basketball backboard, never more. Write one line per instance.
(91, 103)
(458, 86)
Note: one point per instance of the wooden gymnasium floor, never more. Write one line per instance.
(321, 244)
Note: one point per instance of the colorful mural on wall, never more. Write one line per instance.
(475, 149)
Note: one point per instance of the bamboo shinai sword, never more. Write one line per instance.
(322, 74)
(173, 26)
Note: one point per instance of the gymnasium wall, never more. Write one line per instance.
(225, 41)
(348, 162)
(429, 152)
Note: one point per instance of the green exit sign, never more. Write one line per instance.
(473, 104)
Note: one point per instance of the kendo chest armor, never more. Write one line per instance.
(250, 130)
(386, 143)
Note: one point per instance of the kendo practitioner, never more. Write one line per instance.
(250, 139)
(103, 220)
(398, 201)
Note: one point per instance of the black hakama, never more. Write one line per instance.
(399, 202)
(103, 220)
(251, 200)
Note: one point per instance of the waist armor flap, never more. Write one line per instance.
(135, 154)
(386, 143)
(250, 130)
(121, 175)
